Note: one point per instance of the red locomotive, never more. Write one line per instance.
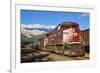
(64, 39)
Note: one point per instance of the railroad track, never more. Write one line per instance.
(59, 57)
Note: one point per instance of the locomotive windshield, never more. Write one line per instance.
(75, 26)
(70, 26)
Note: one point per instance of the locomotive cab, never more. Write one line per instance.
(71, 33)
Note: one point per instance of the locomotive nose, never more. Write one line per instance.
(71, 35)
(75, 35)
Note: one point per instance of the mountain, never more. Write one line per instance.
(25, 38)
(30, 32)
(31, 35)
(32, 39)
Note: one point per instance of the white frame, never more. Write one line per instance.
(16, 66)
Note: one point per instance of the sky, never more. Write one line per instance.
(50, 19)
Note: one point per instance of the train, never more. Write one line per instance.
(65, 39)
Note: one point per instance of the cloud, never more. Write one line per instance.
(83, 15)
(37, 26)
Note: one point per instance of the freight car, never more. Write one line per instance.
(64, 39)
(85, 36)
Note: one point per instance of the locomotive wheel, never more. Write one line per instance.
(56, 50)
(59, 49)
(50, 48)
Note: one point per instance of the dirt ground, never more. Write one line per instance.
(42, 56)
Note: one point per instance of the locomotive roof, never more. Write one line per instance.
(70, 23)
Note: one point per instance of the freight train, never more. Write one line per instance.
(65, 39)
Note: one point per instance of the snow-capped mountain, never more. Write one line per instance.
(30, 33)
(36, 29)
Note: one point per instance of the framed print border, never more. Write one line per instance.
(16, 66)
